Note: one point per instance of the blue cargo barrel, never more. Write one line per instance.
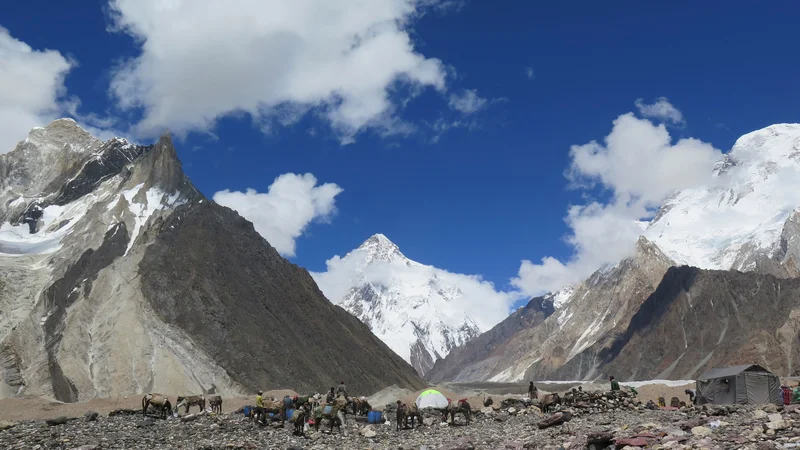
(246, 411)
(374, 417)
(289, 414)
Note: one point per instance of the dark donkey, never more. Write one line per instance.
(462, 406)
(159, 402)
(402, 413)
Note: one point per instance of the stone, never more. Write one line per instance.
(602, 438)
(775, 417)
(502, 417)
(368, 432)
(57, 421)
(145, 423)
(460, 444)
(770, 408)
(701, 431)
(759, 414)
(779, 425)
(4, 425)
(91, 416)
(428, 421)
(512, 410)
(488, 410)
(632, 442)
(88, 447)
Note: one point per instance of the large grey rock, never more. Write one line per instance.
(61, 420)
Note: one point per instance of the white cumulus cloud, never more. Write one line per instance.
(285, 211)
(467, 101)
(200, 60)
(31, 88)
(640, 165)
(662, 110)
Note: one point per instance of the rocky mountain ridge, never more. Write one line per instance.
(118, 277)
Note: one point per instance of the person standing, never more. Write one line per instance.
(614, 384)
(533, 391)
(259, 411)
(341, 390)
(330, 397)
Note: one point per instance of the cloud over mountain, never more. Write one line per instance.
(639, 165)
(283, 213)
(31, 88)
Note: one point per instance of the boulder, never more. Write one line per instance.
(488, 411)
(368, 432)
(632, 442)
(502, 417)
(775, 417)
(91, 416)
(701, 431)
(779, 425)
(460, 444)
(145, 423)
(770, 408)
(602, 438)
(57, 421)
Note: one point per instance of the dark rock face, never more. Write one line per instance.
(699, 319)
(484, 346)
(64, 292)
(112, 157)
(262, 318)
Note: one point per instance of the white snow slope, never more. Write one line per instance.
(740, 218)
(409, 306)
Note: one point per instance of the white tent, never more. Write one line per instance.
(431, 399)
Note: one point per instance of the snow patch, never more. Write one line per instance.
(154, 199)
(561, 297)
(18, 240)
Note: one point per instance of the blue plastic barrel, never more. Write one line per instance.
(374, 417)
(289, 414)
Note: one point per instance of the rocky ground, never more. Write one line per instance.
(605, 421)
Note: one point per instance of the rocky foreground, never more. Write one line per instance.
(606, 423)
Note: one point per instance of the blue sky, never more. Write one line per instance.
(482, 196)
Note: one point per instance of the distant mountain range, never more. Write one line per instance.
(713, 282)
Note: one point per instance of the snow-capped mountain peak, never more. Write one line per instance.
(379, 248)
(736, 222)
(406, 304)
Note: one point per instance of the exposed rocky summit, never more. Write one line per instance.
(117, 277)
